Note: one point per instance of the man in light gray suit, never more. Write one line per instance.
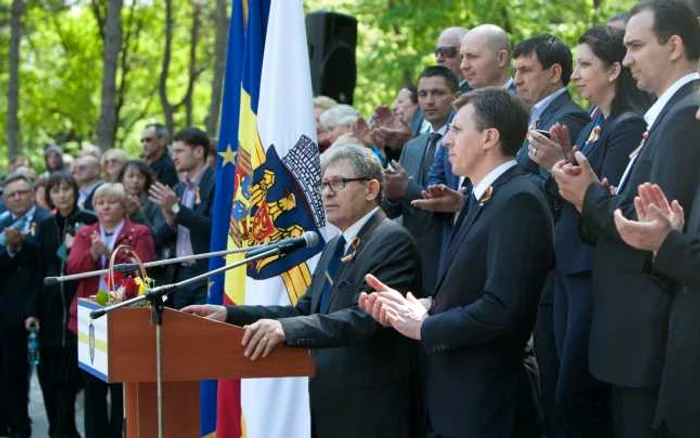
(437, 89)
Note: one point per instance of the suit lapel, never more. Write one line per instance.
(470, 220)
(323, 264)
(361, 240)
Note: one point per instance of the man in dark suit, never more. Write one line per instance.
(663, 40)
(543, 67)
(20, 286)
(362, 386)
(405, 182)
(475, 328)
(187, 211)
(677, 256)
(155, 152)
(86, 172)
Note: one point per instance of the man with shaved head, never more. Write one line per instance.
(485, 57)
(447, 53)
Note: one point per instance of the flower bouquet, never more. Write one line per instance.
(122, 287)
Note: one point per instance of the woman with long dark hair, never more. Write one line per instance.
(616, 130)
(58, 365)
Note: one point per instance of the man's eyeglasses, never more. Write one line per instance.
(147, 139)
(338, 184)
(17, 193)
(446, 51)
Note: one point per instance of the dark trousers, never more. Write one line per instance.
(582, 401)
(101, 422)
(15, 375)
(548, 361)
(633, 412)
(58, 376)
(194, 293)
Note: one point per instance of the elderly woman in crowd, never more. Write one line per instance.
(616, 130)
(112, 162)
(58, 368)
(91, 250)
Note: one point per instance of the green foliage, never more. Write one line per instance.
(61, 56)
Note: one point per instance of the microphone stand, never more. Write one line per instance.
(156, 297)
(126, 267)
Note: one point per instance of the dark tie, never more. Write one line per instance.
(429, 154)
(469, 206)
(331, 272)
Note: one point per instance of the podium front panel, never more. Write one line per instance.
(93, 341)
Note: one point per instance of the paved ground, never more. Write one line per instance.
(40, 425)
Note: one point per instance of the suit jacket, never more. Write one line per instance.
(679, 259)
(20, 275)
(424, 226)
(53, 302)
(196, 219)
(484, 310)
(608, 156)
(164, 169)
(361, 385)
(87, 205)
(138, 237)
(629, 351)
(562, 110)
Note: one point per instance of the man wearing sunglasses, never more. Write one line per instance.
(447, 53)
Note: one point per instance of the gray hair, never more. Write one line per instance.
(339, 115)
(362, 160)
(160, 130)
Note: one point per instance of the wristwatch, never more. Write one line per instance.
(175, 208)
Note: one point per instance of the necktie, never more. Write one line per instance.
(429, 154)
(331, 272)
(469, 206)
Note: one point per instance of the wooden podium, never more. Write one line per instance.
(121, 347)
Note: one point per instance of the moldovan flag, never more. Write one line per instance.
(275, 195)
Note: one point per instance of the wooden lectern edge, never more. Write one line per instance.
(185, 357)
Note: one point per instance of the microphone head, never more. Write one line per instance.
(50, 281)
(310, 238)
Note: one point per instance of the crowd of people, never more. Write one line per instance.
(508, 263)
(69, 220)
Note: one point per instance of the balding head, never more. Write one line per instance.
(86, 170)
(447, 49)
(485, 53)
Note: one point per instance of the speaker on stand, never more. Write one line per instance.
(332, 39)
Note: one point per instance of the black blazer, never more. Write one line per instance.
(21, 280)
(608, 156)
(562, 110)
(164, 169)
(484, 310)
(361, 385)
(52, 306)
(630, 302)
(425, 227)
(196, 219)
(679, 259)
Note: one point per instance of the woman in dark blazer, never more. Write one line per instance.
(91, 251)
(58, 368)
(616, 130)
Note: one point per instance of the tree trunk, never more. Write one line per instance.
(168, 110)
(194, 39)
(13, 83)
(112, 46)
(217, 86)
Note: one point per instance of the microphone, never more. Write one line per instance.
(307, 240)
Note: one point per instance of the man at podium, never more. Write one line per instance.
(365, 382)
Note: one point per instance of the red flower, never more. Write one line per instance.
(131, 289)
(117, 280)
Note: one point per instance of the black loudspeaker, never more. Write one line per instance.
(332, 40)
